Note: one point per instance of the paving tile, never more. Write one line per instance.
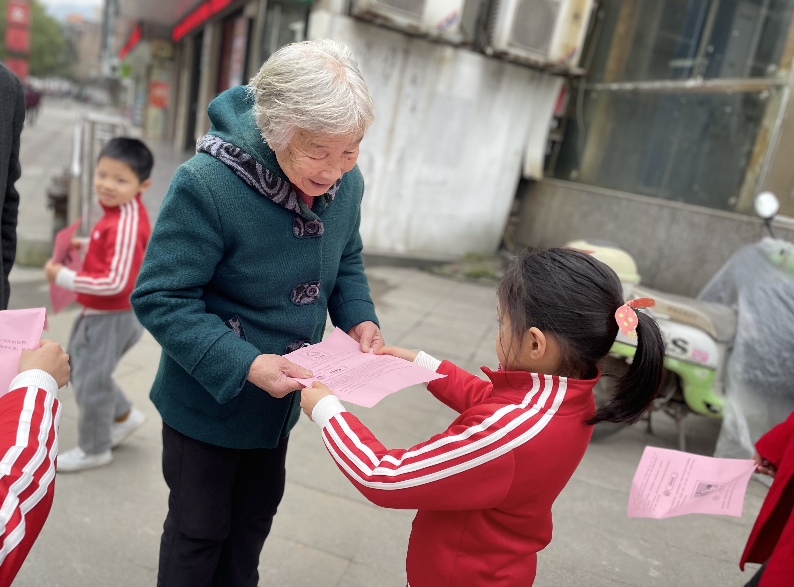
(563, 574)
(693, 567)
(385, 544)
(285, 563)
(358, 575)
(324, 521)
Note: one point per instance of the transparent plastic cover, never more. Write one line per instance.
(757, 281)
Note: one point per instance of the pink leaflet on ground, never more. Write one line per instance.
(672, 483)
(62, 252)
(359, 378)
(19, 330)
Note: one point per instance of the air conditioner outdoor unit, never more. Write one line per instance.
(434, 18)
(543, 32)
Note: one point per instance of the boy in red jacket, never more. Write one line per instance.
(107, 326)
(29, 414)
(772, 540)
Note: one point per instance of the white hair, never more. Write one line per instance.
(313, 85)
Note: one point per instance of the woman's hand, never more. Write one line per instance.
(274, 374)
(51, 270)
(49, 357)
(311, 395)
(396, 351)
(368, 335)
(763, 466)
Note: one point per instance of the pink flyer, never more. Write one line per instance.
(359, 378)
(19, 330)
(671, 483)
(62, 252)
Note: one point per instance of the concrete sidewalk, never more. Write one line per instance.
(105, 524)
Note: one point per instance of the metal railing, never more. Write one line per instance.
(91, 133)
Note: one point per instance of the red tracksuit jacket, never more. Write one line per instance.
(772, 537)
(115, 253)
(484, 487)
(29, 416)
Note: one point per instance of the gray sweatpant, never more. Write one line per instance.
(96, 345)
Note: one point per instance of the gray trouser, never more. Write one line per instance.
(96, 345)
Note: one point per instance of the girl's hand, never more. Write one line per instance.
(50, 358)
(763, 466)
(311, 395)
(51, 270)
(396, 351)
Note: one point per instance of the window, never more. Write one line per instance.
(681, 100)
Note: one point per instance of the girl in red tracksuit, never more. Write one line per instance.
(484, 488)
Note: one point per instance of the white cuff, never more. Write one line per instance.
(426, 361)
(35, 378)
(65, 278)
(325, 409)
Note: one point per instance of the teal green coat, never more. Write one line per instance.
(225, 279)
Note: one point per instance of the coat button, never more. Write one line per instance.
(306, 293)
(303, 228)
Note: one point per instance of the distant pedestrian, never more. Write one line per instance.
(29, 415)
(32, 99)
(12, 117)
(484, 488)
(772, 539)
(107, 327)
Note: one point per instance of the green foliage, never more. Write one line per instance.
(50, 53)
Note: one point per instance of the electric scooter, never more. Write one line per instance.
(697, 336)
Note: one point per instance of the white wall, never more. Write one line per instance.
(452, 131)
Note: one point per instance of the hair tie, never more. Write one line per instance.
(641, 303)
(626, 317)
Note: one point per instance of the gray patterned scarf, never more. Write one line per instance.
(255, 175)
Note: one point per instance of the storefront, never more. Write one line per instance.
(221, 44)
(146, 69)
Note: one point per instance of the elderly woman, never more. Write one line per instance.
(256, 240)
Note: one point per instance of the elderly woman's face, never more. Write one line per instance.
(314, 162)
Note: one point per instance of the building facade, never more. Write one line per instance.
(685, 115)
(461, 113)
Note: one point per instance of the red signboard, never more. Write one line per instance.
(17, 40)
(18, 13)
(197, 17)
(17, 66)
(134, 39)
(158, 94)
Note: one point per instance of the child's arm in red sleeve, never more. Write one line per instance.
(29, 416)
(459, 389)
(119, 258)
(469, 466)
(772, 445)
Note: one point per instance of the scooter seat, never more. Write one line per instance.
(718, 320)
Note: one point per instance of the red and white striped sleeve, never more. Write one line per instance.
(468, 466)
(459, 390)
(120, 252)
(29, 416)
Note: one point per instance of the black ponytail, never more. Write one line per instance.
(638, 387)
(573, 297)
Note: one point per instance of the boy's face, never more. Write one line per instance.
(116, 183)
